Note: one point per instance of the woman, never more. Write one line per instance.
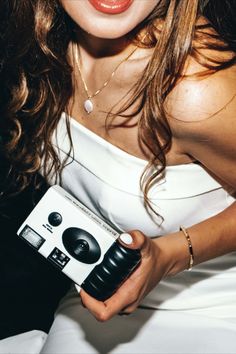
(96, 89)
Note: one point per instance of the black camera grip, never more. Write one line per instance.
(118, 263)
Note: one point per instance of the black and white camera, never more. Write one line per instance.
(79, 243)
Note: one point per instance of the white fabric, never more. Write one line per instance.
(106, 179)
(25, 343)
(146, 331)
(193, 312)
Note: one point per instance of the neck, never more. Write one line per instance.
(101, 47)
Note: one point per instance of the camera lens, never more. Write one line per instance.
(55, 219)
(81, 246)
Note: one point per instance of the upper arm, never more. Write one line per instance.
(202, 116)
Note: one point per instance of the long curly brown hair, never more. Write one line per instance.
(36, 77)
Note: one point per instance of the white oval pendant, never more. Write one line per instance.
(88, 106)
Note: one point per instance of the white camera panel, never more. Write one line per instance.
(56, 215)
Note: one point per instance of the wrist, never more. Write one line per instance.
(173, 253)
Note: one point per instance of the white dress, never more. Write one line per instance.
(193, 312)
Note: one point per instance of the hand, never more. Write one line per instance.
(127, 298)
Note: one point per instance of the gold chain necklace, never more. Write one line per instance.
(88, 104)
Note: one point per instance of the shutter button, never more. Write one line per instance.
(55, 219)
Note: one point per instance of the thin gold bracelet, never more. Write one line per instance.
(190, 247)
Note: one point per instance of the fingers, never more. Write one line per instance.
(122, 300)
(136, 240)
(128, 296)
(95, 307)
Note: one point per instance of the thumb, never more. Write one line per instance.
(134, 240)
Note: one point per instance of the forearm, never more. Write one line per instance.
(211, 238)
(164, 256)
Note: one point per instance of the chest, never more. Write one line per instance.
(106, 179)
(115, 128)
(124, 135)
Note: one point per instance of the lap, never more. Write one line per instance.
(25, 343)
(145, 331)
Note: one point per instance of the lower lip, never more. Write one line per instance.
(111, 6)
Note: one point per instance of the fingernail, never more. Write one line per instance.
(126, 238)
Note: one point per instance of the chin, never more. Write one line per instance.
(103, 33)
(105, 24)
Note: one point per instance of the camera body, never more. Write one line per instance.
(79, 243)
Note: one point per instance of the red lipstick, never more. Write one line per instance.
(111, 6)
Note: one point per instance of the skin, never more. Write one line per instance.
(201, 115)
(105, 26)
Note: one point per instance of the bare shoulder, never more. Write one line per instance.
(197, 99)
(202, 116)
